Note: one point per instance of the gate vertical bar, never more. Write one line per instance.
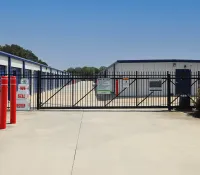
(197, 88)
(38, 90)
(23, 70)
(168, 91)
(198, 83)
(136, 84)
(72, 89)
(114, 78)
(9, 71)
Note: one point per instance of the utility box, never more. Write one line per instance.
(184, 103)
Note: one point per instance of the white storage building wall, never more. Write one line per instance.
(10, 63)
(127, 67)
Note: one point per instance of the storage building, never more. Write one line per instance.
(141, 73)
(14, 65)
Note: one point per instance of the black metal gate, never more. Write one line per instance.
(128, 90)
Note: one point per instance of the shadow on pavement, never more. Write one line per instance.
(195, 114)
(107, 110)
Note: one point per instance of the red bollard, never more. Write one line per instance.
(4, 99)
(116, 88)
(0, 101)
(13, 99)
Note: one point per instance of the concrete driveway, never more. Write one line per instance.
(116, 142)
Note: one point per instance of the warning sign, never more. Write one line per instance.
(125, 82)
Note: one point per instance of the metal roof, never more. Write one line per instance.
(157, 60)
(26, 60)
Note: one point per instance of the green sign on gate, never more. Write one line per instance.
(104, 86)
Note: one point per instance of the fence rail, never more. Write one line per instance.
(81, 91)
(128, 90)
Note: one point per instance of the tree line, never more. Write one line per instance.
(85, 70)
(17, 50)
(21, 52)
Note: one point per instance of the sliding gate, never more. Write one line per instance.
(127, 90)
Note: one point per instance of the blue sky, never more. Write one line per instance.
(94, 33)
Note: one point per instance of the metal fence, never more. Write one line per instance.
(128, 90)
(143, 90)
(46, 86)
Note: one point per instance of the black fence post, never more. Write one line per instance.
(114, 84)
(169, 91)
(38, 90)
(136, 84)
(72, 90)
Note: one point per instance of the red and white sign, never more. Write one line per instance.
(23, 105)
(22, 95)
(23, 87)
(23, 102)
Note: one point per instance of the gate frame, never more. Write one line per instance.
(167, 77)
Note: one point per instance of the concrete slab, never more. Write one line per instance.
(138, 143)
(109, 142)
(41, 143)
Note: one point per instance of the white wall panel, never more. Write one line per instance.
(3, 60)
(148, 67)
(16, 63)
(31, 66)
(169, 67)
(54, 71)
(159, 67)
(111, 69)
(48, 70)
(194, 67)
(45, 69)
(132, 67)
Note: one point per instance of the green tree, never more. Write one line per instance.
(86, 70)
(70, 70)
(78, 69)
(102, 68)
(21, 52)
